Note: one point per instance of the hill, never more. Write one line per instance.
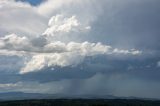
(81, 102)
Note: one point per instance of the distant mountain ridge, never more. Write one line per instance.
(25, 96)
(22, 96)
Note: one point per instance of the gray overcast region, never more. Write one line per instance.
(110, 48)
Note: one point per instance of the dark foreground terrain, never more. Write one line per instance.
(81, 102)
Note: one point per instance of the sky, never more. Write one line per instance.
(32, 2)
(80, 47)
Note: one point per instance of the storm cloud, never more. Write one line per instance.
(81, 47)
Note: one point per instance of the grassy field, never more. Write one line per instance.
(81, 102)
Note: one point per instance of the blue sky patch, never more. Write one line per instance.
(32, 2)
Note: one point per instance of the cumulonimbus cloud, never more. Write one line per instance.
(56, 53)
(44, 52)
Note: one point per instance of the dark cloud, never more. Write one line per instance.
(146, 69)
(129, 24)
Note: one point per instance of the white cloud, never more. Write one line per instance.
(69, 55)
(9, 85)
(132, 51)
(50, 6)
(60, 25)
(44, 51)
(20, 18)
(41, 61)
(14, 42)
(54, 53)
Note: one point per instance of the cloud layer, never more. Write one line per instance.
(55, 53)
